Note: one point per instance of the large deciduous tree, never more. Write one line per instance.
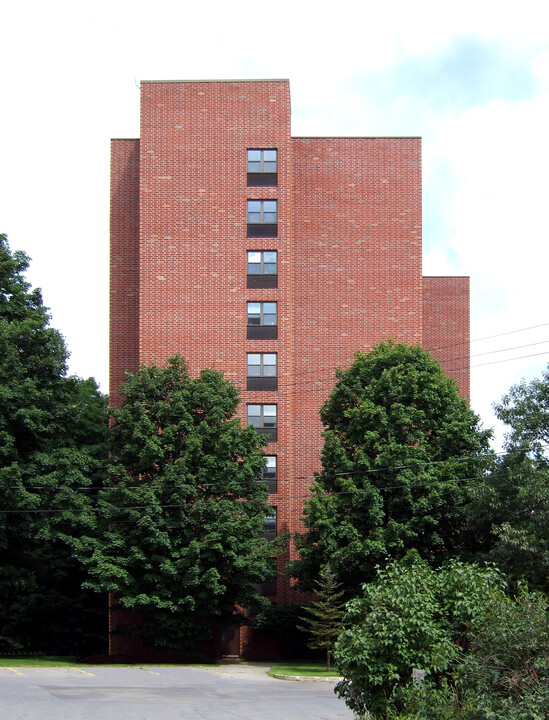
(183, 511)
(400, 450)
(509, 511)
(53, 432)
(525, 410)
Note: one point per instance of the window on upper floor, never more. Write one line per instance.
(262, 269)
(270, 531)
(261, 371)
(261, 321)
(264, 419)
(270, 477)
(262, 218)
(262, 167)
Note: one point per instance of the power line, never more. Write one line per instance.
(491, 337)
(387, 468)
(279, 501)
(489, 455)
(331, 369)
(493, 352)
(510, 332)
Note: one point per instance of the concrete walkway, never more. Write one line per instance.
(241, 668)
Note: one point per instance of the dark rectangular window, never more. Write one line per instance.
(261, 371)
(269, 532)
(270, 477)
(268, 586)
(261, 321)
(262, 168)
(262, 269)
(264, 419)
(262, 218)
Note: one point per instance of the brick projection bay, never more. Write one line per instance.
(339, 253)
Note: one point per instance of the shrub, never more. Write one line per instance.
(484, 654)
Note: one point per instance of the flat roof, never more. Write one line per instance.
(356, 137)
(235, 80)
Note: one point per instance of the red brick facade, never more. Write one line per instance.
(446, 325)
(349, 256)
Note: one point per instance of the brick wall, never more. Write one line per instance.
(446, 326)
(193, 240)
(357, 269)
(124, 259)
(349, 251)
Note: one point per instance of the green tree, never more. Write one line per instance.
(183, 510)
(49, 452)
(509, 517)
(326, 612)
(33, 394)
(484, 653)
(509, 511)
(525, 410)
(401, 448)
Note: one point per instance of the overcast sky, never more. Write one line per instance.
(471, 78)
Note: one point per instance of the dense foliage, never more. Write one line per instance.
(182, 514)
(172, 523)
(509, 517)
(484, 653)
(53, 432)
(525, 410)
(401, 450)
(509, 511)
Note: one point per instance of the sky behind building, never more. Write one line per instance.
(471, 79)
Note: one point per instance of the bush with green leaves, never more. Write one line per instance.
(505, 671)
(459, 626)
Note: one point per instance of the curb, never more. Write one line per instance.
(306, 678)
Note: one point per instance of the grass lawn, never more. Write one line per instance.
(305, 669)
(37, 661)
(73, 661)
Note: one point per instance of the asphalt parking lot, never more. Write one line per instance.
(233, 692)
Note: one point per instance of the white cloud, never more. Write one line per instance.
(496, 157)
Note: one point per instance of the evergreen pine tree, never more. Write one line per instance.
(326, 612)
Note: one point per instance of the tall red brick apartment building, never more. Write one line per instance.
(271, 258)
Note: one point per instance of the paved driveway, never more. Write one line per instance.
(233, 692)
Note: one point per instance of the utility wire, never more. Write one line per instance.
(277, 502)
(293, 478)
(388, 468)
(331, 369)
(281, 500)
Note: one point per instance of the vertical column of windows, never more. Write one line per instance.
(262, 317)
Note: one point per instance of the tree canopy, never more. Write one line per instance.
(33, 394)
(401, 448)
(509, 511)
(183, 511)
(53, 432)
(525, 410)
